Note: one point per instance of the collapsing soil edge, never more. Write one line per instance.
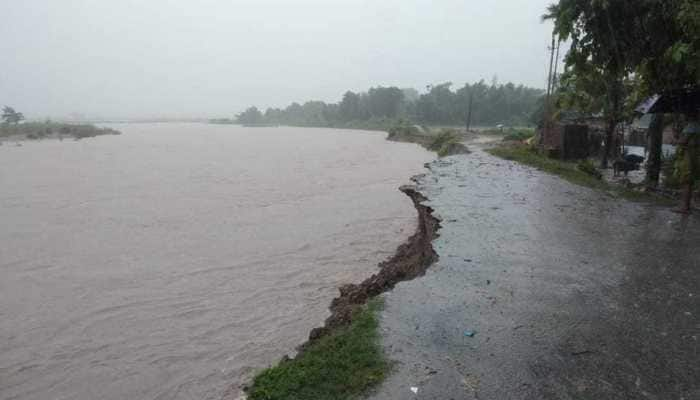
(314, 370)
(411, 260)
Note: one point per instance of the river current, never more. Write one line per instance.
(175, 260)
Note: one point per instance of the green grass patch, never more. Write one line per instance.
(446, 142)
(566, 170)
(578, 173)
(444, 137)
(403, 129)
(519, 135)
(342, 365)
(492, 132)
(509, 133)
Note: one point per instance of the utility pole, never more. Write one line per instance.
(549, 90)
(469, 114)
(556, 67)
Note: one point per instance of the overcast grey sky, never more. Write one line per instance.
(149, 58)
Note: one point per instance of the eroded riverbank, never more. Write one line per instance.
(411, 260)
(329, 364)
(343, 359)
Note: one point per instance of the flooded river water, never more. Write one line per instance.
(174, 260)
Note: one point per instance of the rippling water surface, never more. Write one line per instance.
(174, 260)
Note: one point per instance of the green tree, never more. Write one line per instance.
(384, 101)
(656, 42)
(10, 116)
(251, 116)
(350, 109)
(490, 104)
(314, 113)
(497, 103)
(595, 59)
(666, 53)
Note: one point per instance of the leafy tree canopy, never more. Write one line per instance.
(10, 116)
(491, 104)
(251, 116)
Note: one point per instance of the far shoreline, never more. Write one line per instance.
(49, 130)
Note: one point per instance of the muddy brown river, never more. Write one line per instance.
(175, 260)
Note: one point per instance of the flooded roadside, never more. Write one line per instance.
(175, 259)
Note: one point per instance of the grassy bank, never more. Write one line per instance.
(339, 366)
(572, 172)
(509, 134)
(445, 142)
(49, 129)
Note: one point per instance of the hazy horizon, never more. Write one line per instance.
(183, 59)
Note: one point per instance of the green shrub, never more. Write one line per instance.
(402, 129)
(492, 132)
(447, 142)
(567, 170)
(444, 137)
(519, 135)
(588, 167)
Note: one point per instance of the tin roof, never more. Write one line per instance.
(682, 100)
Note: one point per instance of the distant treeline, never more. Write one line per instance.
(491, 104)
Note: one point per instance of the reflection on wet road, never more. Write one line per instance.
(571, 293)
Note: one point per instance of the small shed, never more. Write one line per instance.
(567, 141)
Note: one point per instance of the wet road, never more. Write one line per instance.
(571, 293)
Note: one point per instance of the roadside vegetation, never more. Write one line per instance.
(529, 156)
(519, 134)
(582, 172)
(341, 365)
(447, 142)
(652, 47)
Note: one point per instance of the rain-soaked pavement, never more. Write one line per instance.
(569, 292)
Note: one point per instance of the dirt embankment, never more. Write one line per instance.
(411, 260)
